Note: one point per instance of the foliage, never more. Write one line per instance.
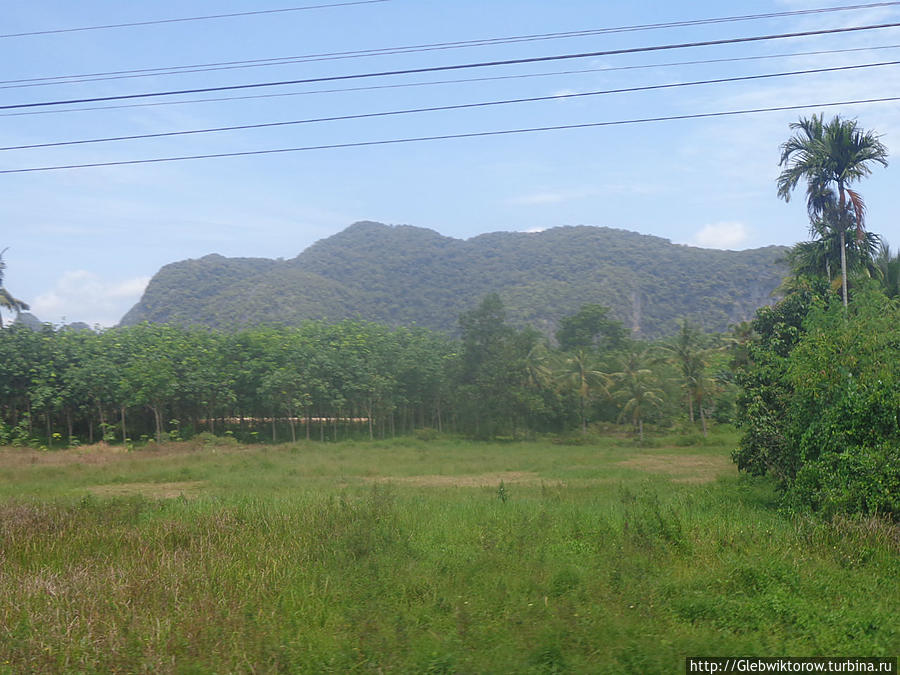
(494, 374)
(766, 391)
(326, 381)
(830, 157)
(407, 276)
(821, 406)
(590, 328)
(636, 388)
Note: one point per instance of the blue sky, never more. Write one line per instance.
(83, 243)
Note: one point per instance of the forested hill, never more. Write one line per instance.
(403, 275)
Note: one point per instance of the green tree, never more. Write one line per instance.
(492, 371)
(830, 157)
(763, 406)
(888, 270)
(821, 256)
(636, 388)
(580, 374)
(590, 328)
(687, 352)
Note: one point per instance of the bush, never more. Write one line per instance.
(821, 413)
(209, 440)
(427, 434)
(858, 480)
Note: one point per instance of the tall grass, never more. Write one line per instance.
(311, 559)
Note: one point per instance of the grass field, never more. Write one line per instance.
(423, 557)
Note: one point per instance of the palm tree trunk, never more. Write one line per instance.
(841, 221)
(583, 419)
(844, 265)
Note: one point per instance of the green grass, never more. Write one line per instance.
(409, 557)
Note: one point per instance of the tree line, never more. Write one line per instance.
(329, 381)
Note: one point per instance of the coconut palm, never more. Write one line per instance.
(830, 157)
(635, 388)
(580, 373)
(686, 351)
(6, 299)
(538, 370)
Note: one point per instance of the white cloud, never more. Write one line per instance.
(727, 235)
(538, 198)
(553, 196)
(535, 230)
(80, 295)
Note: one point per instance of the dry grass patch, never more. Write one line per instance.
(464, 480)
(99, 453)
(150, 490)
(682, 468)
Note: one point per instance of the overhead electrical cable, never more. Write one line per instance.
(408, 49)
(476, 134)
(192, 18)
(460, 106)
(463, 66)
(459, 80)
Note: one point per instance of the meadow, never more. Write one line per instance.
(424, 556)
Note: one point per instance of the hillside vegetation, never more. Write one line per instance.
(402, 275)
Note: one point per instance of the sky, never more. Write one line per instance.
(83, 243)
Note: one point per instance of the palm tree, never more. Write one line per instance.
(579, 372)
(821, 256)
(686, 351)
(635, 388)
(538, 372)
(830, 157)
(6, 299)
(889, 270)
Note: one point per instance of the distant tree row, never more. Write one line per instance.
(329, 381)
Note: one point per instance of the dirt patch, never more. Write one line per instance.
(150, 490)
(464, 480)
(682, 468)
(98, 453)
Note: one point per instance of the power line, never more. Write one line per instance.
(477, 134)
(408, 49)
(191, 18)
(481, 64)
(461, 106)
(461, 80)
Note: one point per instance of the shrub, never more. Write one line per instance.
(209, 440)
(859, 480)
(822, 414)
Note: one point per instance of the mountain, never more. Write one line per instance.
(403, 275)
(30, 320)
